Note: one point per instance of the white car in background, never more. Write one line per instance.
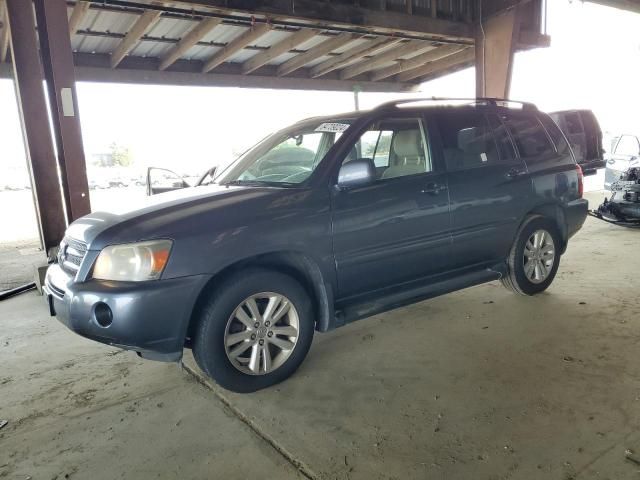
(625, 153)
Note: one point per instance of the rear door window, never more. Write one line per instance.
(467, 140)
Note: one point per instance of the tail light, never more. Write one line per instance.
(580, 181)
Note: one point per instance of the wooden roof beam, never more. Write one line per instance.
(133, 36)
(415, 62)
(196, 34)
(314, 53)
(78, 13)
(236, 45)
(370, 64)
(463, 56)
(352, 55)
(278, 49)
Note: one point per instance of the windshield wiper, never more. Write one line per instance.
(260, 183)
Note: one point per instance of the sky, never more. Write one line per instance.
(593, 62)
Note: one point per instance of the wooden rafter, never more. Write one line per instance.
(415, 62)
(78, 13)
(413, 46)
(133, 36)
(352, 55)
(236, 45)
(278, 49)
(4, 31)
(189, 40)
(318, 51)
(463, 56)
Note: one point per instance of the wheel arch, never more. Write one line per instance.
(554, 212)
(301, 267)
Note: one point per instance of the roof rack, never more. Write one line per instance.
(487, 101)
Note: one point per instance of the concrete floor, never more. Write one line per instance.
(479, 384)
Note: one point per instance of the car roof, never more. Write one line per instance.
(429, 104)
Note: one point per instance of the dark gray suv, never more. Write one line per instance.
(328, 221)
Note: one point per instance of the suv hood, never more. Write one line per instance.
(158, 216)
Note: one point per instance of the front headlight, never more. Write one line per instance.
(133, 262)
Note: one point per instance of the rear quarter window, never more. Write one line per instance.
(559, 140)
(533, 143)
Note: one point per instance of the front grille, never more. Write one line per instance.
(71, 254)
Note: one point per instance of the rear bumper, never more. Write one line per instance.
(575, 214)
(148, 317)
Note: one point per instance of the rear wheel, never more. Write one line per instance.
(255, 331)
(534, 258)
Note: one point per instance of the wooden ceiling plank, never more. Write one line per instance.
(78, 13)
(278, 49)
(314, 53)
(449, 61)
(415, 62)
(4, 31)
(194, 35)
(385, 57)
(352, 55)
(235, 46)
(133, 36)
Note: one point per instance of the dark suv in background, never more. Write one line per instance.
(325, 222)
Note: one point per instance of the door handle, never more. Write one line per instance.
(515, 173)
(433, 188)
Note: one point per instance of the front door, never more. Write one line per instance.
(395, 229)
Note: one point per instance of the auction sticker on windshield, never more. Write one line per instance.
(332, 127)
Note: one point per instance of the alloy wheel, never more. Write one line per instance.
(261, 333)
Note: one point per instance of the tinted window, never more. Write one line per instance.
(628, 145)
(397, 147)
(556, 135)
(467, 140)
(531, 139)
(574, 125)
(505, 145)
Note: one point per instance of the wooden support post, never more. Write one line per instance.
(57, 62)
(496, 42)
(35, 124)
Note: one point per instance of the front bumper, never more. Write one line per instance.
(148, 317)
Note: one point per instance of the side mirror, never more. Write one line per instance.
(160, 180)
(356, 173)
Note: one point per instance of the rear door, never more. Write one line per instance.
(396, 229)
(489, 186)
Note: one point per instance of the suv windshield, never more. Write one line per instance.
(285, 158)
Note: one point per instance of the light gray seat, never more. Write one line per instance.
(407, 155)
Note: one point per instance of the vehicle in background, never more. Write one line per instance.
(328, 221)
(625, 154)
(98, 184)
(585, 137)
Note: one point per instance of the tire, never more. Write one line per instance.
(220, 319)
(517, 278)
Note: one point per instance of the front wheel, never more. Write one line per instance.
(255, 330)
(534, 258)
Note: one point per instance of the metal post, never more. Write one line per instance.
(35, 124)
(57, 60)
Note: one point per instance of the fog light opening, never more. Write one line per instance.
(103, 314)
